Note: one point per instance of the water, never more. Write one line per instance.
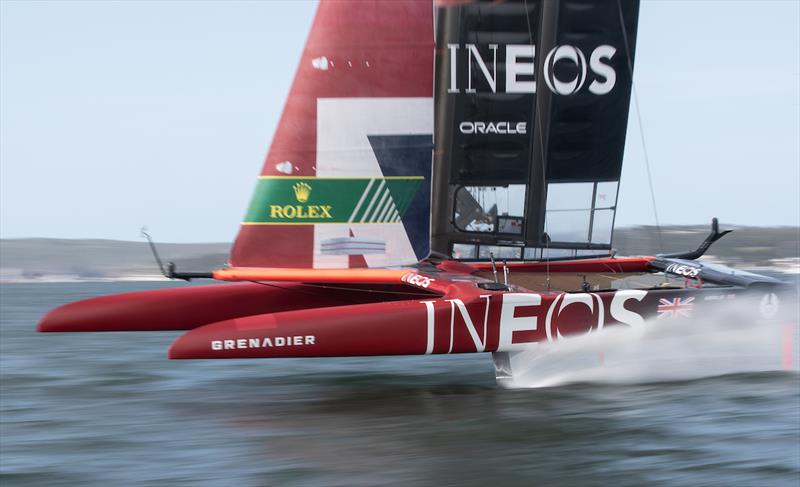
(110, 409)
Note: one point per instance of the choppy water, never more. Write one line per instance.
(110, 409)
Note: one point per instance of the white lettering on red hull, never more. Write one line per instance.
(417, 280)
(265, 342)
(480, 345)
(431, 323)
(515, 332)
(623, 315)
(509, 324)
(568, 299)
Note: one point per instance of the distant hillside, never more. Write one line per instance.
(753, 245)
(32, 258)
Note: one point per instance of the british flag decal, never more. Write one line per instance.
(676, 307)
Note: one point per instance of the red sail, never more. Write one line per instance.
(347, 176)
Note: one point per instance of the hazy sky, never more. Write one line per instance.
(118, 114)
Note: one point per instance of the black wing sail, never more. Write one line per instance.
(531, 101)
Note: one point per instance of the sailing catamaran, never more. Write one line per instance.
(444, 179)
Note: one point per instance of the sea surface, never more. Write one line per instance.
(109, 409)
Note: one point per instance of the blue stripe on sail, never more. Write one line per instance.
(410, 155)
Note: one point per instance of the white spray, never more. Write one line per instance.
(731, 340)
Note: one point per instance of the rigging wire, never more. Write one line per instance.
(641, 127)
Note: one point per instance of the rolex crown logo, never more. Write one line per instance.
(302, 191)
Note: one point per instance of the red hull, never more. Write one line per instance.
(466, 320)
(186, 308)
(388, 312)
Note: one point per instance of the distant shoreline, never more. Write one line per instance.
(78, 280)
(49, 260)
(790, 269)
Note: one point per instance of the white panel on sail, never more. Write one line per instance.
(344, 150)
(343, 125)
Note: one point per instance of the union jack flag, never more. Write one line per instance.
(672, 308)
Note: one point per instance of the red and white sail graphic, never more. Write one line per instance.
(351, 154)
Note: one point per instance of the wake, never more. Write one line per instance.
(664, 350)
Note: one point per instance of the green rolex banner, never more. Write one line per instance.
(310, 200)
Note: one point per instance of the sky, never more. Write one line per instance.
(115, 115)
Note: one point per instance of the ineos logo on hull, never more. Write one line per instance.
(516, 330)
(684, 270)
(520, 66)
(417, 280)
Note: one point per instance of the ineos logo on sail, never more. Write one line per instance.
(520, 66)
